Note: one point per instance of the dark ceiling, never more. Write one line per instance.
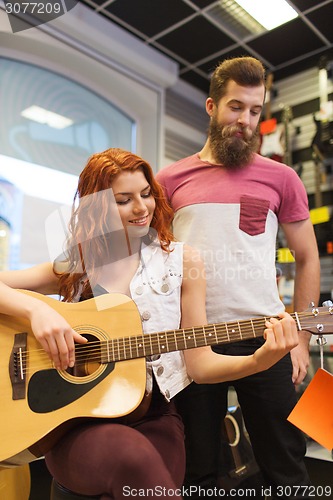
(199, 33)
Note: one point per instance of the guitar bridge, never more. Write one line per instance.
(17, 366)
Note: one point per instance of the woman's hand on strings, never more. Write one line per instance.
(55, 335)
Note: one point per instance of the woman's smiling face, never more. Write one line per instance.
(135, 201)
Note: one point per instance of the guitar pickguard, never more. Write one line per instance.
(49, 391)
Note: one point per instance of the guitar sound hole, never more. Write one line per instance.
(87, 357)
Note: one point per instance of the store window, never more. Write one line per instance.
(49, 126)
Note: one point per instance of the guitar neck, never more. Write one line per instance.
(268, 99)
(124, 348)
(286, 118)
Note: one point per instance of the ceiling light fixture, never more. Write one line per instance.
(41, 115)
(269, 14)
(229, 14)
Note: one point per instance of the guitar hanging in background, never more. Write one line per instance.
(286, 117)
(271, 133)
(39, 403)
(322, 142)
(236, 462)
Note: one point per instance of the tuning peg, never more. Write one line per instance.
(328, 303)
(321, 341)
(314, 309)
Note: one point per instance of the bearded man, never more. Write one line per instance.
(229, 203)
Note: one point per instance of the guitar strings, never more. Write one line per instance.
(179, 336)
(153, 341)
(146, 344)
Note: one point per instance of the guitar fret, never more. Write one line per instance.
(107, 351)
(194, 337)
(124, 347)
(133, 346)
(227, 331)
(166, 342)
(184, 336)
(151, 345)
(239, 329)
(158, 343)
(110, 344)
(121, 349)
(113, 349)
(129, 344)
(113, 352)
(205, 335)
(137, 347)
(118, 348)
(175, 336)
(253, 329)
(129, 348)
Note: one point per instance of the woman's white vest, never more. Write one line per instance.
(156, 289)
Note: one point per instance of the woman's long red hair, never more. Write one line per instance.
(88, 220)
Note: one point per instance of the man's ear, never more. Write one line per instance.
(210, 106)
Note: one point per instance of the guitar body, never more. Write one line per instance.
(236, 461)
(272, 144)
(37, 411)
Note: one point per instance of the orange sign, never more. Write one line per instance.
(313, 413)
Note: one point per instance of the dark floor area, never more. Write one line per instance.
(321, 473)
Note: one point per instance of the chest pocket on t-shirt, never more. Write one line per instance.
(253, 215)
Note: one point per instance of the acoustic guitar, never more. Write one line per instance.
(236, 460)
(322, 142)
(39, 403)
(287, 116)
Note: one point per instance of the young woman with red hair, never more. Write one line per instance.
(119, 241)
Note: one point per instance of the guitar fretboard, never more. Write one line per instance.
(125, 348)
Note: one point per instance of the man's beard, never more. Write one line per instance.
(227, 148)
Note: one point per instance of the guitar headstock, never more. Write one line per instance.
(317, 320)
